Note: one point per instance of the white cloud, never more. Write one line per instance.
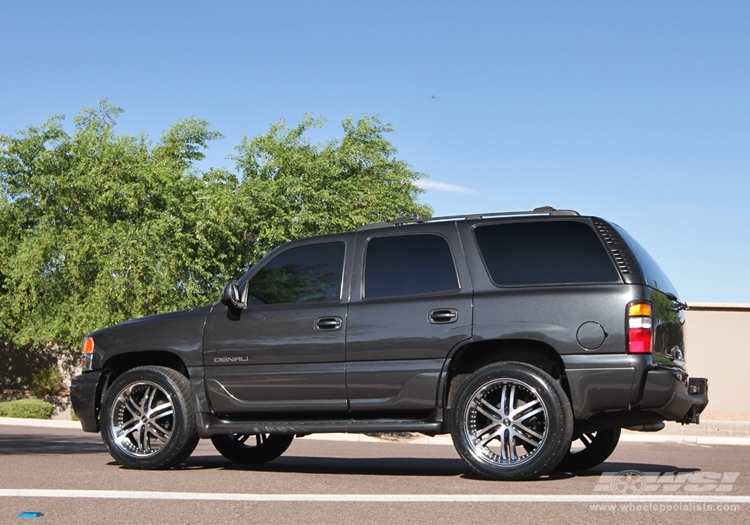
(442, 186)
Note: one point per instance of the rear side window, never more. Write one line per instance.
(653, 273)
(300, 275)
(554, 252)
(409, 265)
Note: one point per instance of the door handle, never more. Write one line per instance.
(443, 316)
(328, 324)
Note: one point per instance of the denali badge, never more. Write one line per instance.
(230, 359)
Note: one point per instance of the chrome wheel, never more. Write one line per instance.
(506, 422)
(147, 418)
(511, 421)
(589, 450)
(142, 419)
(251, 448)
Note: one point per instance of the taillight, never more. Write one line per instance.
(640, 328)
(87, 353)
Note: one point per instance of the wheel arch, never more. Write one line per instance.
(118, 364)
(473, 356)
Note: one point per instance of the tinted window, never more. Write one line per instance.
(654, 275)
(407, 265)
(558, 252)
(299, 275)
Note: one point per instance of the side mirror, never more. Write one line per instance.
(232, 297)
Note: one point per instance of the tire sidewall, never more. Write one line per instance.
(559, 419)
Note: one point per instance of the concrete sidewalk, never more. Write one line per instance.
(707, 433)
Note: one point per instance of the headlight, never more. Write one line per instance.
(87, 353)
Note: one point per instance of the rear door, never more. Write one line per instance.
(411, 304)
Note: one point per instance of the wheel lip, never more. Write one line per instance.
(114, 427)
(467, 428)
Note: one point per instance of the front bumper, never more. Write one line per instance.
(84, 390)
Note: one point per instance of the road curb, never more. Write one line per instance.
(669, 435)
(45, 423)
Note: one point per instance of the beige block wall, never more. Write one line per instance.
(717, 346)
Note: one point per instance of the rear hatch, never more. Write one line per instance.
(668, 344)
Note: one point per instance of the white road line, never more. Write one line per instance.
(372, 498)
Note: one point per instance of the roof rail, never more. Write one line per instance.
(544, 210)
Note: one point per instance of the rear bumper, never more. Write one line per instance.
(620, 383)
(667, 394)
(83, 395)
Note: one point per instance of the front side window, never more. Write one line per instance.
(535, 253)
(304, 274)
(409, 265)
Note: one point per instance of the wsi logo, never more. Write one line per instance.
(230, 359)
(635, 482)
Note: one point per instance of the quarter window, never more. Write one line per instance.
(409, 265)
(555, 252)
(300, 275)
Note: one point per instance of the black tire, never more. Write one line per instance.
(147, 418)
(267, 447)
(511, 421)
(597, 447)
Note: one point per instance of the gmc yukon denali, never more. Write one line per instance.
(532, 338)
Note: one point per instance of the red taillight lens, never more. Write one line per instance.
(639, 341)
(639, 328)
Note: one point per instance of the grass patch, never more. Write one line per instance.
(27, 408)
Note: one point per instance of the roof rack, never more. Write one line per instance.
(544, 210)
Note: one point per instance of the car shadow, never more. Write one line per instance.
(36, 444)
(399, 466)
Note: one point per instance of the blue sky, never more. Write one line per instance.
(635, 111)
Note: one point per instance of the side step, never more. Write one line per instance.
(209, 425)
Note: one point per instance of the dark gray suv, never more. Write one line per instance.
(531, 337)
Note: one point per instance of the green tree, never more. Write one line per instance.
(295, 188)
(99, 227)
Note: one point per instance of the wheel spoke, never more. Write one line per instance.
(241, 438)
(131, 405)
(496, 413)
(587, 439)
(527, 430)
(529, 415)
(503, 394)
(492, 436)
(491, 416)
(160, 411)
(159, 431)
(510, 410)
(522, 408)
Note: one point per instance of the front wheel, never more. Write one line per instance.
(511, 421)
(251, 448)
(595, 448)
(147, 418)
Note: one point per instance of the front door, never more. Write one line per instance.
(284, 353)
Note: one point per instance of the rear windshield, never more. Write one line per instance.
(655, 276)
(549, 252)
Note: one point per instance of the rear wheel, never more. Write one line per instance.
(147, 418)
(251, 448)
(589, 450)
(511, 421)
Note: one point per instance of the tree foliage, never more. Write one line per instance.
(99, 227)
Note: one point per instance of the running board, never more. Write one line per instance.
(209, 425)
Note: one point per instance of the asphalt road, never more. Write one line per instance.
(68, 476)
